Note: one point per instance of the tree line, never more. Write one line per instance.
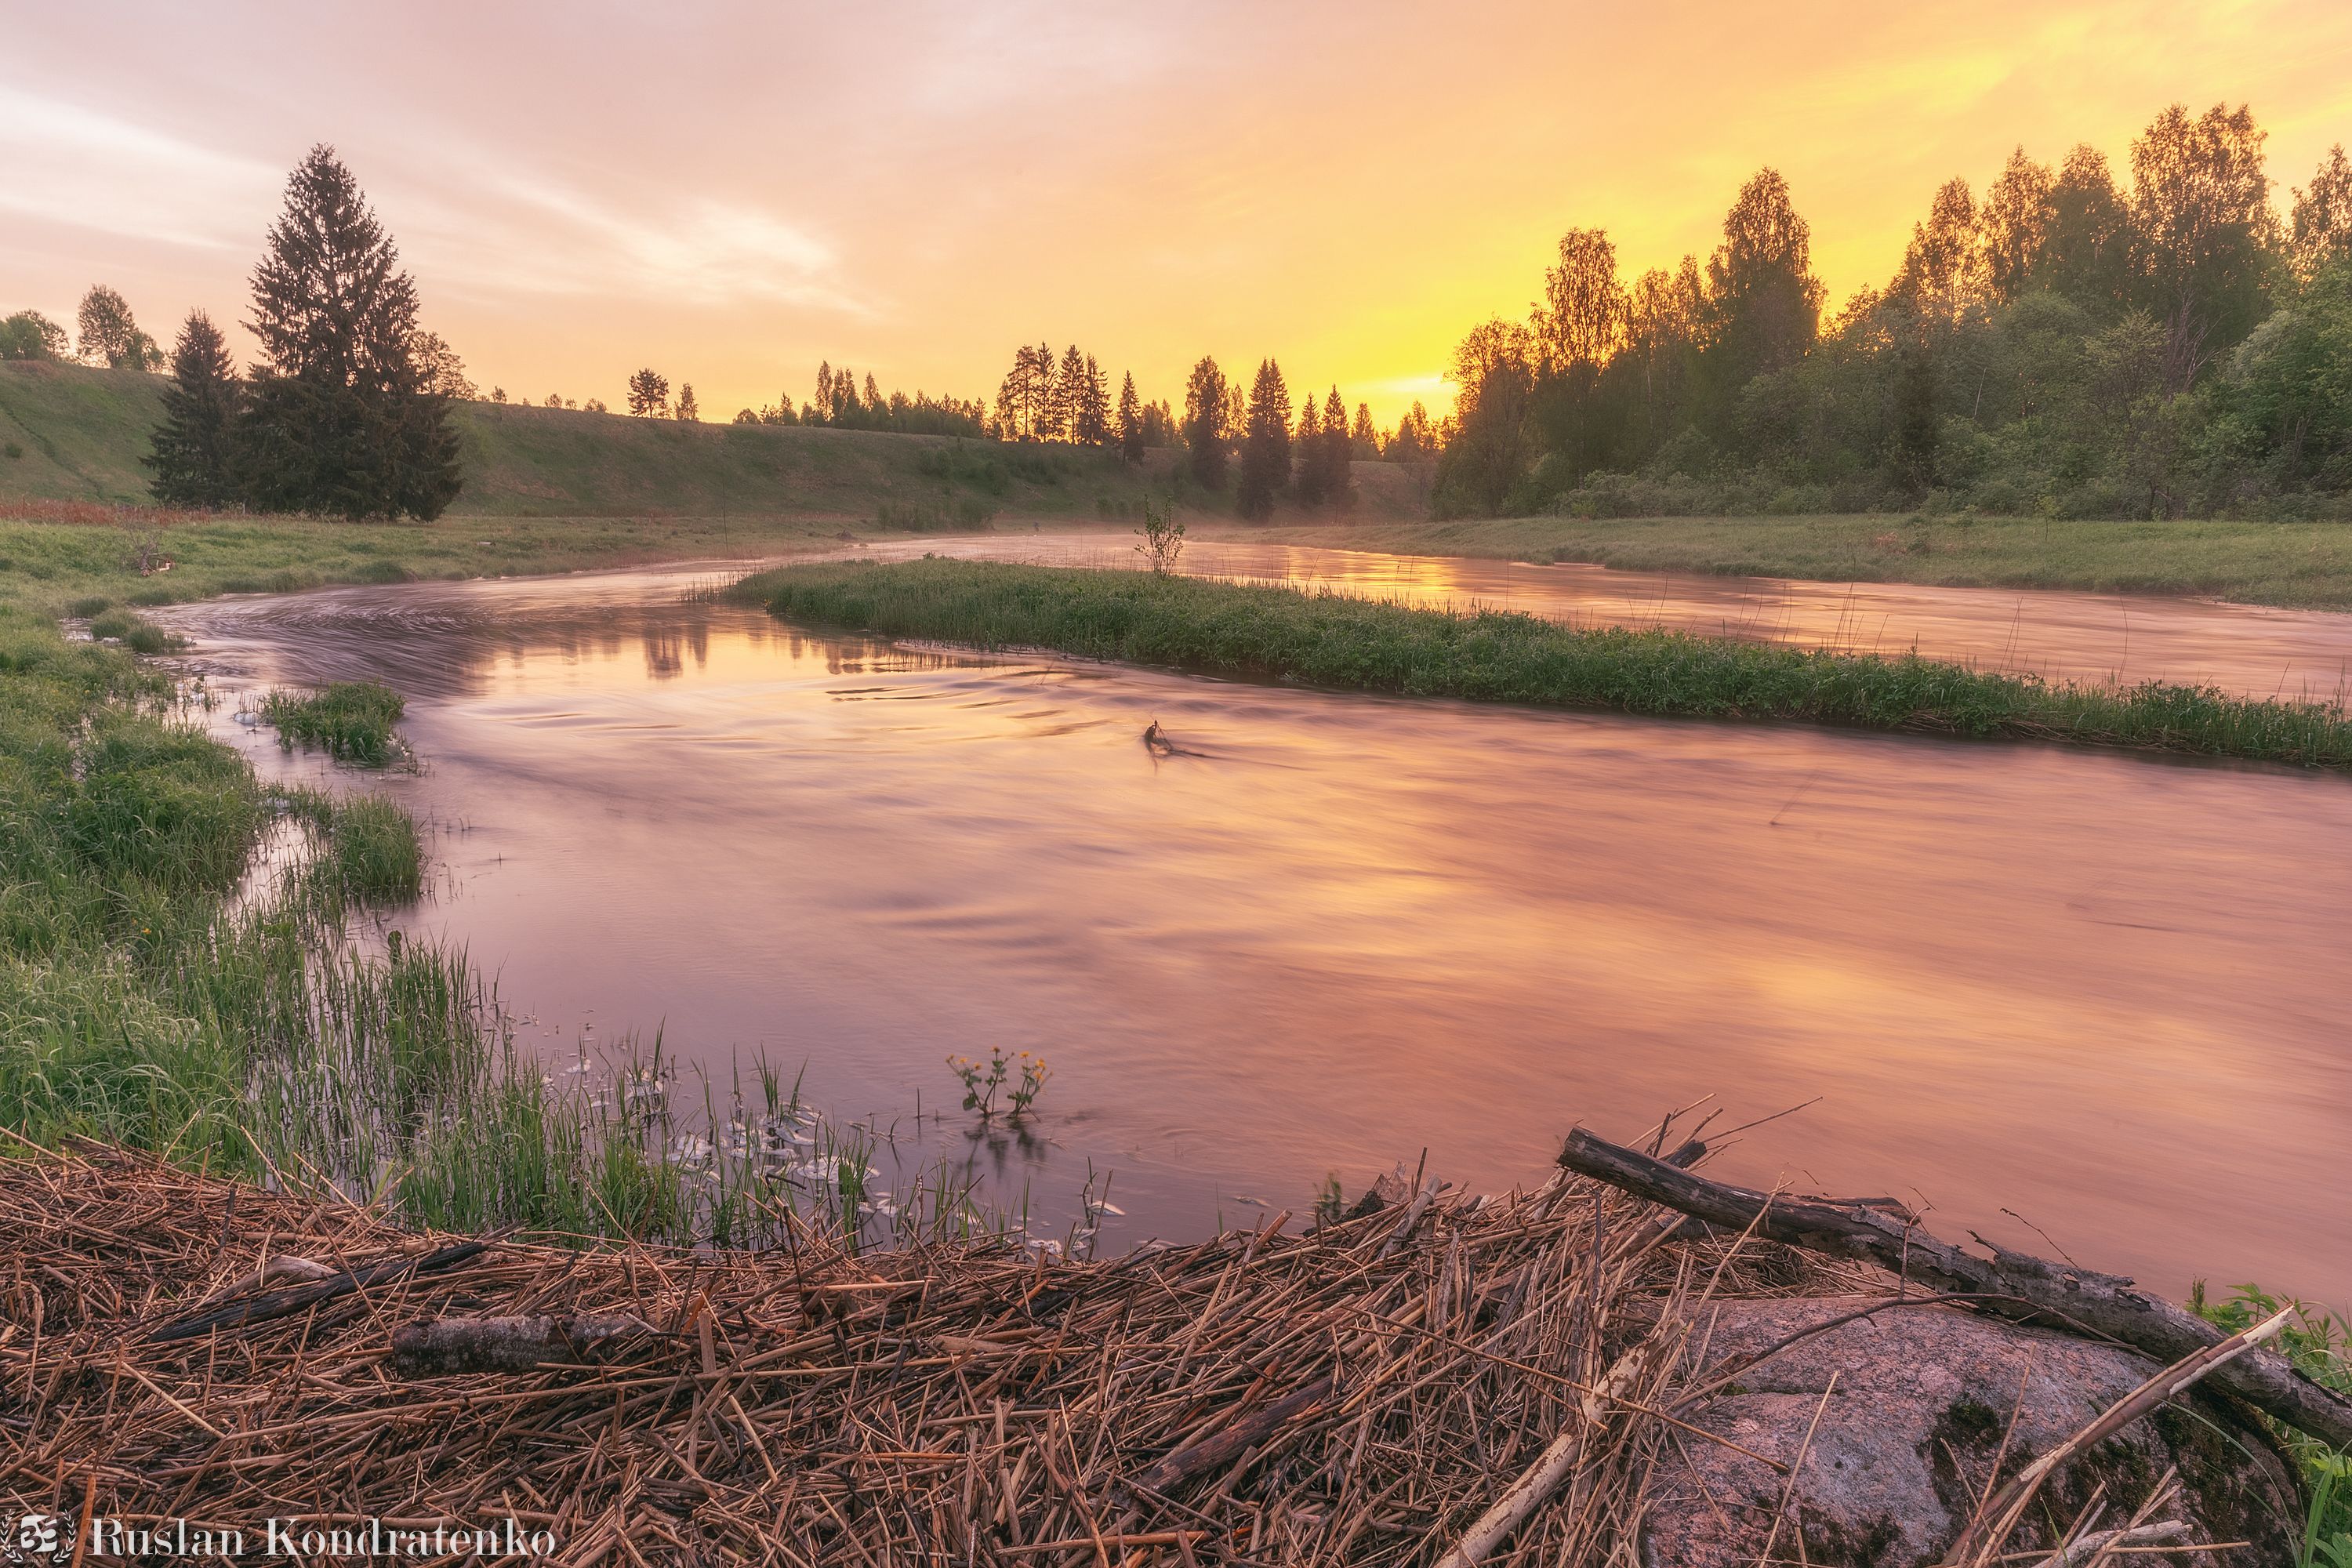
(841, 403)
(107, 332)
(2069, 342)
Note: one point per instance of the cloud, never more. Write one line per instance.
(702, 250)
(76, 166)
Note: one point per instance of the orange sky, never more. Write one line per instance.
(731, 192)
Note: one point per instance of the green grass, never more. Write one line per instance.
(1337, 641)
(370, 850)
(151, 997)
(2317, 1345)
(82, 432)
(2305, 565)
(351, 721)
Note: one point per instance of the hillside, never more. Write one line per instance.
(71, 433)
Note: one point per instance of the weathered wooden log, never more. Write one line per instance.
(270, 1271)
(302, 1298)
(1235, 1437)
(2011, 1285)
(446, 1347)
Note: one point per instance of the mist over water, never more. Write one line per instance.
(2103, 990)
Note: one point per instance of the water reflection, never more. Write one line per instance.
(2099, 989)
(2102, 638)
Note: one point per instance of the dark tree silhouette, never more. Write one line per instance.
(686, 407)
(1130, 421)
(1312, 483)
(1204, 424)
(649, 392)
(1765, 302)
(110, 337)
(1266, 444)
(28, 334)
(339, 421)
(193, 457)
(2323, 215)
(1337, 450)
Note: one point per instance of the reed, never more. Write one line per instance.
(1342, 642)
(156, 993)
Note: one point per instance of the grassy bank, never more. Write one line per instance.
(2305, 565)
(1337, 641)
(73, 433)
(152, 997)
(61, 558)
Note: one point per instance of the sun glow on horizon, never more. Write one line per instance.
(735, 196)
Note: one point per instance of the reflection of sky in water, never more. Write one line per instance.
(2090, 988)
(2102, 638)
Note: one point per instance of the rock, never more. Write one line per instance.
(1907, 1439)
(1387, 1191)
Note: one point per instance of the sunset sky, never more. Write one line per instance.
(731, 192)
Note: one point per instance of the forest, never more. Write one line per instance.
(2160, 341)
(2075, 342)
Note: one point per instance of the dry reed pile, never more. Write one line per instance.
(1360, 1394)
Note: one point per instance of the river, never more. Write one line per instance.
(2070, 999)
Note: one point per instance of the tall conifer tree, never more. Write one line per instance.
(193, 459)
(1336, 449)
(1266, 444)
(339, 421)
(1130, 421)
(1205, 397)
(1311, 485)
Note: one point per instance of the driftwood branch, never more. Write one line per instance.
(271, 1271)
(444, 1347)
(2011, 1285)
(1235, 1437)
(302, 1298)
(2000, 1512)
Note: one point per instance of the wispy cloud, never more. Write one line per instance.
(698, 250)
(76, 166)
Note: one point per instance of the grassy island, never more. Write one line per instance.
(1333, 640)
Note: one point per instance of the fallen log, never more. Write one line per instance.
(271, 1271)
(302, 1298)
(1236, 1437)
(446, 1347)
(2012, 1285)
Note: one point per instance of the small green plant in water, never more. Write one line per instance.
(984, 1081)
(1163, 533)
(351, 721)
(1330, 1203)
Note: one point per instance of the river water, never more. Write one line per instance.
(2095, 997)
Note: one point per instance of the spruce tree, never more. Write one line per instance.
(1205, 394)
(1339, 448)
(1094, 406)
(1130, 422)
(193, 459)
(339, 421)
(1312, 485)
(1266, 444)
